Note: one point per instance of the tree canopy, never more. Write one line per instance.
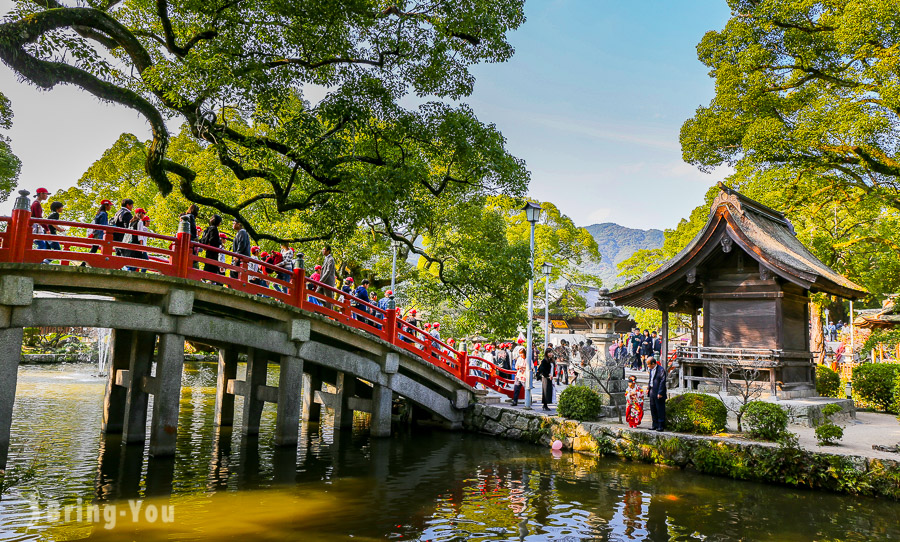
(9, 162)
(296, 103)
(473, 279)
(811, 88)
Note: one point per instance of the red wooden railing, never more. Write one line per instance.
(184, 258)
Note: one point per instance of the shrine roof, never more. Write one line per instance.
(762, 232)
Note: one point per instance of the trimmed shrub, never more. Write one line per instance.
(897, 395)
(874, 384)
(579, 403)
(767, 421)
(696, 413)
(828, 382)
(829, 432)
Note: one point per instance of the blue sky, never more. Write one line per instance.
(593, 101)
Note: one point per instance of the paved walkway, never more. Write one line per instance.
(859, 435)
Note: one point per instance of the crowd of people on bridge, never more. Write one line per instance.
(561, 361)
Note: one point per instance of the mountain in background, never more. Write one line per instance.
(617, 243)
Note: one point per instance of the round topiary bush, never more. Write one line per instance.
(874, 384)
(696, 413)
(579, 403)
(828, 382)
(767, 421)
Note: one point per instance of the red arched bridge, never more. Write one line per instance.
(155, 296)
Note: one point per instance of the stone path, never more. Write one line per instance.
(859, 434)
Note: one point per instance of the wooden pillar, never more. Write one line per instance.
(312, 411)
(664, 350)
(257, 370)
(695, 327)
(114, 397)
(290, 390)
(136, 398)
(345, 388)
(224, 415)
(10, 353)
(167, 396)
(382, 399)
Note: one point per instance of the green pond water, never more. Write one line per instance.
(418, 485)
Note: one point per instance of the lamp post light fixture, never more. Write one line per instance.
(532, 215)
(547, 268)
(395, 245)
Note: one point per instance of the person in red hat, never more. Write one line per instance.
(435, 334)
(37, 211)
(253, 266)
(317, 273)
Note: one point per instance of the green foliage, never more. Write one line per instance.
(579, 403)
(887, 337)
(10, 165)
(803, 85)
(696, 413)
(828, 382)
(767, 421)
(829, 433)
(897, 394)
(874, 383)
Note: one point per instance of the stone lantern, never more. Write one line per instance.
(603, 319)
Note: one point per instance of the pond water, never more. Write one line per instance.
(419, 485)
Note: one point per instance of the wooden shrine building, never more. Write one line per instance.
(750, 278)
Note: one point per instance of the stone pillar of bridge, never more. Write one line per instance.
(382, 400)
(166, 386)
(345, 389)
(14, 292)
(312, 411)
(290, 390)
(257, 370)
(114, 398)
(10, 353)
(136, 396)
(228, 360)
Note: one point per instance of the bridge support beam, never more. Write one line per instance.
(228, 360)
(167, 398)
(115, 396)
(290, 389)
(135, 428)
(382, 399)
(312, 411)
(10, 353)
(345, 389)
(257, 370)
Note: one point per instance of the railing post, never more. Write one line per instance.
(390, 320)
(20, 227)
(462, 360)
(299, 281)
(181, 259)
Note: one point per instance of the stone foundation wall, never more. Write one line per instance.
(758, 461)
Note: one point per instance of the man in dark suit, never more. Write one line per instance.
(656, 392)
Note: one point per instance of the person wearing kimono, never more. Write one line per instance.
(634, 403)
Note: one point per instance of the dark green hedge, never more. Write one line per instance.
(696, 413)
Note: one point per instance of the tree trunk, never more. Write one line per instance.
(817, 333)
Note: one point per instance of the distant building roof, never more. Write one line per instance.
(762, 232)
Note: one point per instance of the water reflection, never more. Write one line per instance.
(414, 486)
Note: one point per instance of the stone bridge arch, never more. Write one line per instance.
(147, 310)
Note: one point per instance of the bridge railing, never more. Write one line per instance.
(178, 256)
(490, 375)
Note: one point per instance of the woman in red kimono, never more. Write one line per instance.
(634, 403)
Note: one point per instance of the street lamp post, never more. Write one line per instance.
(532, 214)
(546, 268)
(395, 245)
